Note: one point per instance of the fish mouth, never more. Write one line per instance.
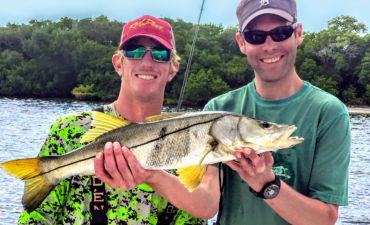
(285, 135)
(291, 140)
(290, 131)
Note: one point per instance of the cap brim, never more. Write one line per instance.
(277, 12)
(156, 38)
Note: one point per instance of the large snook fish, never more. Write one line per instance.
(187, 142)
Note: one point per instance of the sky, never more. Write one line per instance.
(313, 14)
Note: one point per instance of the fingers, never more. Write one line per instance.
(100, 171)
(256, 170)
(251, 164)
(118, 167)
(106, 168)
(268, 158)
(120, 170)
(136, 170)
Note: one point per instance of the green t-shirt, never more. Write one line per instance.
(317, 168)
(69, 202)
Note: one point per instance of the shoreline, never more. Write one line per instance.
(353, 110)
(359, 111)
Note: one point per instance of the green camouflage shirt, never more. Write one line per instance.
(69, 202)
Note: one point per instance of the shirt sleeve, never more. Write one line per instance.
(332, 151)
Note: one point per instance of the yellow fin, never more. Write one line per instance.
(36, 185)
(22, 168)
(102, 123)
(192, 176)
(164, 116)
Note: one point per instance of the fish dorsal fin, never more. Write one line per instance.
(163, 116)
(191, 176)
(101, 124)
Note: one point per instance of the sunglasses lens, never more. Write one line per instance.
(162, 55)
(135, 51)
(281, 33)
(255, 37)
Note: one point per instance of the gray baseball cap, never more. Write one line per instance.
(247, 10)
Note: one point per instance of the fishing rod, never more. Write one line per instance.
(189, 60)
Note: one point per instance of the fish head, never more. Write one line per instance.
(265, 136)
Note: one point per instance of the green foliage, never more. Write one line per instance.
(202, 86)
(326, 83)
(72, 58)
(349, 96)
(364, 75)
(84, 92)
(367, 95)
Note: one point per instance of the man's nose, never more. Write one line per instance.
(147, 55)
(269, 44)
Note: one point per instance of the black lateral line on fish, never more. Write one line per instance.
(175, 131)
(184, 128)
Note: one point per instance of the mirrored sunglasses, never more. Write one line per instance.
(159, 54)
(257, 37)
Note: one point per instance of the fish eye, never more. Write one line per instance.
(265, 124)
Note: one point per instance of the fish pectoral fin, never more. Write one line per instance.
(101, 124)
(249, 145)
(222, 148)
(164, 116)
(36, 187)
(192, 176)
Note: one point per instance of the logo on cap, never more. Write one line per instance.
(145, 22)
(264, 3)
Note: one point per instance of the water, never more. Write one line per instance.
(24, 124)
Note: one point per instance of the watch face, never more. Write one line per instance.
(271, 192)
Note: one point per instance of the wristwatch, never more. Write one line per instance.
(269, 191)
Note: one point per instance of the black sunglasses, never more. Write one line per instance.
(159, 54)
(257, 37)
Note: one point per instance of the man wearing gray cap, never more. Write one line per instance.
(301, 185)
(306, 183)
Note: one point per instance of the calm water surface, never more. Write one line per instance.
(24, 124)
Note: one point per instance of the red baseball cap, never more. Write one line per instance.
(148, 26)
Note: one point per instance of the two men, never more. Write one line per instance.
(146, 60)
(301, 185)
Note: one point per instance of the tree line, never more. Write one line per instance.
(72, 59)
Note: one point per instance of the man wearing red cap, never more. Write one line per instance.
(302, 185)
(145, 60)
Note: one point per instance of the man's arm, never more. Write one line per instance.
(118, 167)
(291, 205)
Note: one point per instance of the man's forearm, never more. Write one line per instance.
(299, 209)
(202, 202)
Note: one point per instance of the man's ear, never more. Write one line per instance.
(174, 67)
(299, 34)
(241, 43)
(117, 63)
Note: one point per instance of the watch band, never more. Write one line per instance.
(269, 190)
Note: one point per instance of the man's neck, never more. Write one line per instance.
(137, 110)
(278, 89)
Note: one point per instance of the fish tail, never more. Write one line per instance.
(37, 186)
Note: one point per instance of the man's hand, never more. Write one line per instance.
(118, 167)
(254, 169)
